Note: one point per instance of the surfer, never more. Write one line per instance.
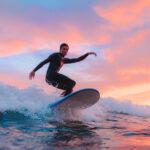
(56, 61)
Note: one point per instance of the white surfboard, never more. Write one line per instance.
(80, 99)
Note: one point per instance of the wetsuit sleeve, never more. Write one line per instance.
(74, 60)
(42, 63)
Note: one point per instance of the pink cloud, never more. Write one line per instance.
(28, 37)
(125, 64)
(14, 79)
(20, 33)
(125, 13)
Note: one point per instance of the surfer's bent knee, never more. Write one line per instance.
(73, 83)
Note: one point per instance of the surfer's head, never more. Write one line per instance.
(64, 49)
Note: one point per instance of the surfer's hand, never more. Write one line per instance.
(92, 53)
(31, 75)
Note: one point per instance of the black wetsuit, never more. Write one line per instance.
(56, 79)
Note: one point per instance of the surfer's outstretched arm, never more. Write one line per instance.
(74, 60)
(32, 74)
(42, 64)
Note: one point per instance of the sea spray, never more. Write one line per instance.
(34, 102)
(94, 113)
(126, 107)
(29, 101)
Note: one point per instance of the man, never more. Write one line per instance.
(56, 61)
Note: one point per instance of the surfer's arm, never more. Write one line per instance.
(74, 60)
(32, 73)
(42, 64)
(49, 59)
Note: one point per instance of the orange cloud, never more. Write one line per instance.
(11, 46)
(14, 79)
(136, 93)
(125, 66)
(20, 35)
(28, 37)
(22, 81)
(124, 13)
(138, 38)
(134, 71)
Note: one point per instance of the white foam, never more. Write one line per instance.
(95, 113)
(125, 106)
(35, 101)
(32, 99)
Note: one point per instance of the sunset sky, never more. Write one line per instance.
(117, 30)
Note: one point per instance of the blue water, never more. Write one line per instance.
(26, 123)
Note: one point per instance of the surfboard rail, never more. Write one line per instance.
(79, 94)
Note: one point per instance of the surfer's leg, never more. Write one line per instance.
(64, 83)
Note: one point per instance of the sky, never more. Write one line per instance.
(118, 31)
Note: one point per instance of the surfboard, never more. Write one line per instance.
(80, 99)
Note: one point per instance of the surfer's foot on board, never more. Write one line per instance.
(64, 93)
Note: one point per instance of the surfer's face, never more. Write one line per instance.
(64, 50)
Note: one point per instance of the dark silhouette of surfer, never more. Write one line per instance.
(56, 61)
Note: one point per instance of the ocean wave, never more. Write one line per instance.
(34, 102)
(125, 107)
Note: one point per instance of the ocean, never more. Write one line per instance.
(26, 123)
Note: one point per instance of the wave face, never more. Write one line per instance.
(125, 107)
(29, 101)
(34, 102)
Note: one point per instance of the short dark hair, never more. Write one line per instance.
(63, 44)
